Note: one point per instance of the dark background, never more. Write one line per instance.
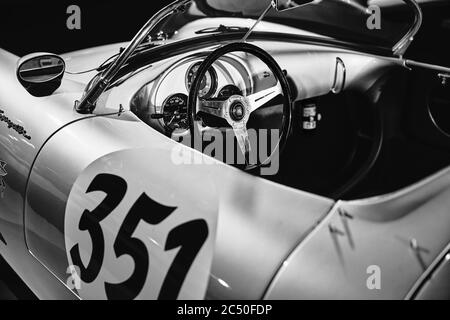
(29, 26)
(40, 25)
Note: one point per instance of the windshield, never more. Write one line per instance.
(380, 23)
(357, 21)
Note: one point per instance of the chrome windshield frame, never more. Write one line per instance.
(402, 46)
(88, 102)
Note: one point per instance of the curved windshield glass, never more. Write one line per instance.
(381, 23)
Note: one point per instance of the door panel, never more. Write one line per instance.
(26, 123)
(118, 211)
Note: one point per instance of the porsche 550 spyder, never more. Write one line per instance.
(231, 150)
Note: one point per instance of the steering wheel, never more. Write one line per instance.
(237, 109)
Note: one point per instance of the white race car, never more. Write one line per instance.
(231, 150)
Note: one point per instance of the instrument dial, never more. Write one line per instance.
(208, 85)
(175, 112)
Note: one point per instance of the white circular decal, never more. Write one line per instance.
(135, 232)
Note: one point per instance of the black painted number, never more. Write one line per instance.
(115, 189)
(153, 213)
(189, 237)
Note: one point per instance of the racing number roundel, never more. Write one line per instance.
(138, 233)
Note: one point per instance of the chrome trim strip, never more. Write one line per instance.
(402, 46)
(411, 63)
(427, 274)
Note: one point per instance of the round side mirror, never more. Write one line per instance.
(41, 73)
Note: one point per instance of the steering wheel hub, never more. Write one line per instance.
(237, 111)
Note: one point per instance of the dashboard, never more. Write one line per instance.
(158, 94)
(163, 103)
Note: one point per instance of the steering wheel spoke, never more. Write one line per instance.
(259, 99)
(241, 133)
(212, 107)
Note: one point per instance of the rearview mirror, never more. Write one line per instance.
(282, 5)
(41, 73)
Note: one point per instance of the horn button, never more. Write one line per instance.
(238, 109)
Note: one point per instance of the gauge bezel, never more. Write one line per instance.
(214, 80)
(164, 106)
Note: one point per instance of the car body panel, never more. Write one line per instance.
(435, 284)
(275, 226)
(40, 118)
(399, 234)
